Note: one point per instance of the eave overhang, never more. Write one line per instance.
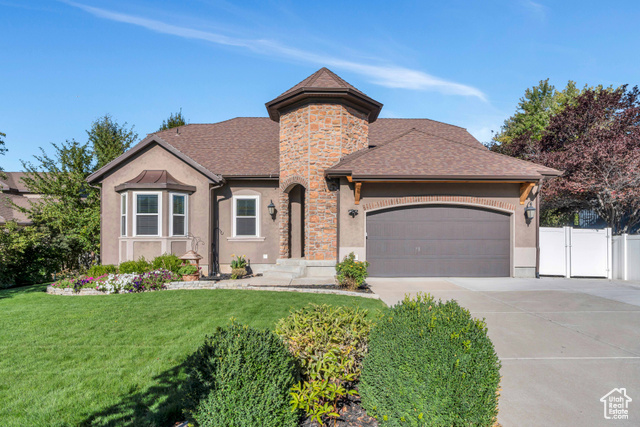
(302, 96)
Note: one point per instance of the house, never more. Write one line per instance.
(14, 190)
(414, 197)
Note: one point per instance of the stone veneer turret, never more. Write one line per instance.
(322, 119)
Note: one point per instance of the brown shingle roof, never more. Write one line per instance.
(324, 78)
(384, 130)
(249, 146)
(8, 213)
(244, 146)
(417, 154)
(324, 84)
(13, 182)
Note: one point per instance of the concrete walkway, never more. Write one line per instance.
(564, 343)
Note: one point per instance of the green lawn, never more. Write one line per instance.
(116, 359)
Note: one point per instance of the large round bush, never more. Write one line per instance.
(430, 364)
(241, 377)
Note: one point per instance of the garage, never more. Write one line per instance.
(438, 241)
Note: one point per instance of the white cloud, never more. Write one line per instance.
(536, 9)
(384, 75)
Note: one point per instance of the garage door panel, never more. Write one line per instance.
(438, 241)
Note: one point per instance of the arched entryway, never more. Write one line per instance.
(296, 221)
(439, 241)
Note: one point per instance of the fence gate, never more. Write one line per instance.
(573, 252)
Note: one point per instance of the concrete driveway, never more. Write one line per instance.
(564, 343)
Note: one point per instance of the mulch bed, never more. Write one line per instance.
(351, 415)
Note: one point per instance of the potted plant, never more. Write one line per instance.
(238, 266)
(189, 273)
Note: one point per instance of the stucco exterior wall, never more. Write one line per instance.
(352, 230)
(261, 251)
(115, 248)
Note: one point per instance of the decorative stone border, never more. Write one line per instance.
(174, 286)
(414, 200)
(69, 291)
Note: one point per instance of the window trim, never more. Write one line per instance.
(234, 216)
(135, 210)
(185, 215)
(124, 202)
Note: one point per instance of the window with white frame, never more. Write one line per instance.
(123, 214)
(178, 224)
(245, 216)
(148, 216)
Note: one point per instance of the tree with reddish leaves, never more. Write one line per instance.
(596, 142)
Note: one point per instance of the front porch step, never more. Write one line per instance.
(294, 268)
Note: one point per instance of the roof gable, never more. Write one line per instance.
(417, 154)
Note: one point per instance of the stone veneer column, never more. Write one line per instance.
(313, 138)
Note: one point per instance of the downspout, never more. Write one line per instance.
(338, 222)
(213, 231)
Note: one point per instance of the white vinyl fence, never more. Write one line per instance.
(626, 256)
(573, 252)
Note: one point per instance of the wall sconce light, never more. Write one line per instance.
(353, 212)
(529, 212)
(272, 209)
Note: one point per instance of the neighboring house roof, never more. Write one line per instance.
(157, 179)
(326, 85)
(8, 213)
(13, 189)
(417, 154)
(248, 147)
(13, 182)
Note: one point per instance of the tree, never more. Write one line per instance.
(595, 140)
(69, 209)
(532, 116)
(173, 121)
(109, 139)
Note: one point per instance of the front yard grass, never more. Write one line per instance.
(117, 359)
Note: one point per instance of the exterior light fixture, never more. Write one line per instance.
(272, 209)
(353, 212)
(529, 212)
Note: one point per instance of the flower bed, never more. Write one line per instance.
(117, 283)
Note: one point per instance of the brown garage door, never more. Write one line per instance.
(438, 241)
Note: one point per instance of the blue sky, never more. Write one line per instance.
(66, 63)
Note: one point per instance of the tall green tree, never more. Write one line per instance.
(174, 120)
(533, 114)
(109, 139)
(68, 212)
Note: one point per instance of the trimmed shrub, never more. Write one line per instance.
(241, 376)
(351, 273)
(101, 270)
(169, 262)
(329, 343)
(430, 364)
(134, 267)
